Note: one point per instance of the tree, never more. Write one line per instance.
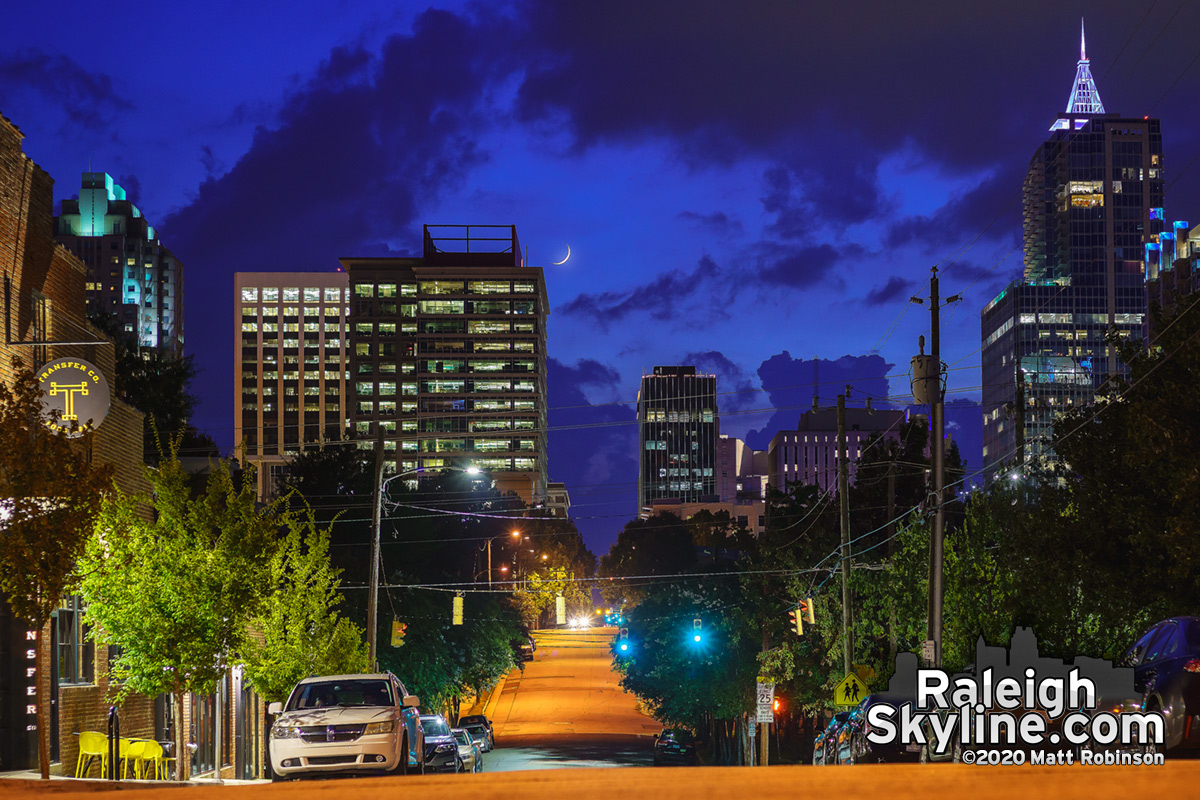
(176, 588)
(661, 545)
(301, 632)
(155, 381)
(50, 491)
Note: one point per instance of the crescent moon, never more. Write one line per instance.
(568, 255)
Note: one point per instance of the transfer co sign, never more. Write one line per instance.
(74, 391)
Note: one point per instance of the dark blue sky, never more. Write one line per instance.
(744, 186)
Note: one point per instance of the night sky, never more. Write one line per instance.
(744, 186)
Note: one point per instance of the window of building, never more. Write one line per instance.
(249, 296)
(441, 287)
(76, 653)
(386, 290)
(489, 287)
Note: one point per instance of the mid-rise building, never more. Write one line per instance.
(130, 273)
(678, 430)
(448, 357)
(1092, 200)
(290, 366)
(809, 454)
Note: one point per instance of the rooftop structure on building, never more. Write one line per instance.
(1172, 274)
(1092, 200)
(448, 357)
(678, 429)
(289, 366)
(130, 273)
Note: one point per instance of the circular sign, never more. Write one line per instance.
(73, 391)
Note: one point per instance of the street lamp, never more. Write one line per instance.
(376, 520)
(514, 534)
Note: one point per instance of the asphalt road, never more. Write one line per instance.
(567, 709)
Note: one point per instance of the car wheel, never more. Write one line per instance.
(401, 767)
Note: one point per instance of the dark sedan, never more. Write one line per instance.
(674, 746)
(853, 746)
(441, 751)
(824, 746)
(1166, 673)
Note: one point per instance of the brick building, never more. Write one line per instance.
(45, 301)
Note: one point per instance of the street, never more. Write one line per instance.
(568, 710)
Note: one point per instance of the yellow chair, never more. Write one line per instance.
(91, 745)
(153, 758)
(132, 750)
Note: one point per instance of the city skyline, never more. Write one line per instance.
(741, 189)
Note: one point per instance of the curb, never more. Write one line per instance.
(489, 709)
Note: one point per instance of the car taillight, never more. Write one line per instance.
(1193, 665)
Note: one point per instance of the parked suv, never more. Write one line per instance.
(347, 723)
(441, 751)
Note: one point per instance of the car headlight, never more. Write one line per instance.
(387, 726)
(445, 748)
(284, 732)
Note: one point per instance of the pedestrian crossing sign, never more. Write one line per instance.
(849, 691)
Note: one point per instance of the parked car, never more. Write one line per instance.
(854, 747)
(1166, 673)
(523, 648)
(674, 745)
(441, 750)
(479, 729)
(470, 757)
(824, 745)
(347, 723)
(929, 753)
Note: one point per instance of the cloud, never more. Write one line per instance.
(895, 287)
(992, 207)
(790, 384)
(736, 390)
(86, 96)
(718, 223)
(592, 446)
(799, 267)
(357, 148)
(666, 297)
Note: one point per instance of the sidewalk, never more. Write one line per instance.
(31, 779)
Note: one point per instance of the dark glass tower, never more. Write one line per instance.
(1092, 199)
(677, 436)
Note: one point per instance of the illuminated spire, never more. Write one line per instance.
(1085, 99)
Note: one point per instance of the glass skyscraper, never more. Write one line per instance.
(677, 436)
(1092, 200)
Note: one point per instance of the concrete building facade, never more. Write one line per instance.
(290, 365)
(809, 454)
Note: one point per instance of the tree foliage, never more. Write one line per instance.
(302, 633)
(176, 589)
(51, 491)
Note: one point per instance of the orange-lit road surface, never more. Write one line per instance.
(1176, 779)
(569, 689)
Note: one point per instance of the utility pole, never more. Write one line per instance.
(937, 541)
(844, 502)
(376, 518)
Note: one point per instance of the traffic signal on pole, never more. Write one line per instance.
(796, 622)
(696, 634)
(457, 618)
(623, 640)
(809, 616)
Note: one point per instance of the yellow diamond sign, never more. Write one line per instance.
(849, 691)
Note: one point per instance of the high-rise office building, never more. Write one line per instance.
(448, 357)
(1092, 200)
(678, 432)
(290, 390)
(130, 273)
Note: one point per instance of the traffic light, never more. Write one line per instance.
(777, 705)
(696, 626)
(796, 621)
(807, 608)
(623, 640)
(457, 610)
